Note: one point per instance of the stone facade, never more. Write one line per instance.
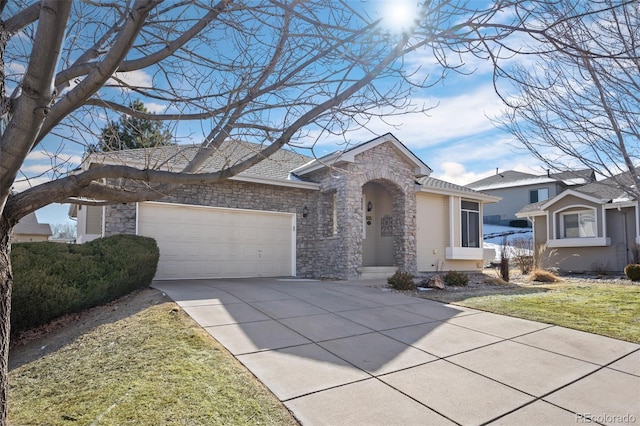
(342, 254)
(330, 239)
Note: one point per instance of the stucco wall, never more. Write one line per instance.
(620, 228)
(570, 204)
(432, 234)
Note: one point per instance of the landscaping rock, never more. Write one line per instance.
(436, 282)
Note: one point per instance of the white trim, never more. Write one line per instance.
(294, 245)
(464, 253)
(580, 242)
(531, 181)
(103, 225)
(138, 216)
(548, 224)
(604, 223)
(563, 213)
(568, 192)
(348, 156)
(452, 234)
(479, 211)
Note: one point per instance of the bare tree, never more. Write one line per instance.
(63, 231)
(578, 104)
(268, 72)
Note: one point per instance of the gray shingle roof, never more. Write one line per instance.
(581, 177)
(608, 189)
(506, 177)
(511, 178)
(175, 157)
(433, 183)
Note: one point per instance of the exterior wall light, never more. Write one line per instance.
(305, 211)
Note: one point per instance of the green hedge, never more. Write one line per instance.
(53, 279)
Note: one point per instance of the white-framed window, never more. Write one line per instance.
(539, 194)
(470, 215)
(580, 224)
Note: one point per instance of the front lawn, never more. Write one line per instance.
(156, 367)
(602, 308)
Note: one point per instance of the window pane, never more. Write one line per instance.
(587, 223)
(543, 194)
(533, 196)
(465, 229)
(474, 230)
(470, 205)
(470, 229)
(571, 229)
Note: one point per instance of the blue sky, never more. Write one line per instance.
(456, 139)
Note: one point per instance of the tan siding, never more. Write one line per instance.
(569, 204)
(432, 233)
(94, 220)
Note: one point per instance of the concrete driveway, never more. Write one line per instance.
(339, 353)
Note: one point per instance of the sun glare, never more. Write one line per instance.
(399, 16)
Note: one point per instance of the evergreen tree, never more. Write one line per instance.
(131, 132)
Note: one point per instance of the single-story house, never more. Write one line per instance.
(591, 228)
(28, 229)
(518, 189)
(359, 213)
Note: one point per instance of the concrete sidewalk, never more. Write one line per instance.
(339, 353)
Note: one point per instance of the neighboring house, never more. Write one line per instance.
(360, 213)
(592, 228)
(28, 229)
(517, 189)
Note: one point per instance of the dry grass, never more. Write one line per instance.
(156, 367)
(542, 276)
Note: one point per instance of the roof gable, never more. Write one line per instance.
(349, 155)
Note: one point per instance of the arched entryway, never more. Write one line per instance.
(382, 228)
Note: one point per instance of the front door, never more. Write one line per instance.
(378, 226)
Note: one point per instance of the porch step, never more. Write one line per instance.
(377, 272)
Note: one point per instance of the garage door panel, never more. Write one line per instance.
(198, 242)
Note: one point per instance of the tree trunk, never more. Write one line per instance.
(6, 281)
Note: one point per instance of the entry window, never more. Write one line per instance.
(579, 224)
(536, 195)
(470, 214)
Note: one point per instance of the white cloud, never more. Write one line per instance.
(22, 184)
(453, 172)
(137, 78)
(40, 156)
(155, 108)
(36, 169)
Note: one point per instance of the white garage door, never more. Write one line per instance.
(207, 242)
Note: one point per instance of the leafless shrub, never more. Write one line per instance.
(522, 254)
